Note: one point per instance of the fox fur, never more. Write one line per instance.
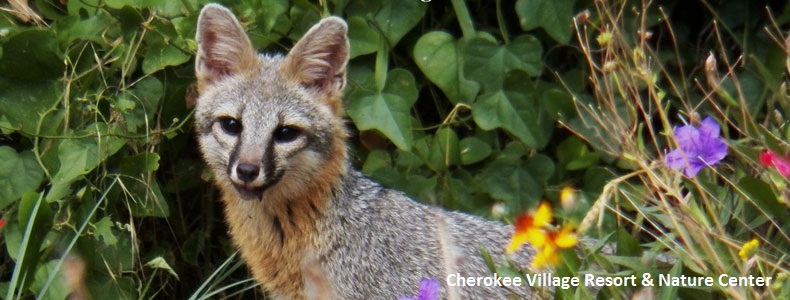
(272, 131)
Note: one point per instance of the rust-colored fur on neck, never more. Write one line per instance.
(276, 255)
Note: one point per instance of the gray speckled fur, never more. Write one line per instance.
(388, 242)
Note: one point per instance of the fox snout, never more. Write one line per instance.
(247, 173)
(247, 179)
(250, 179)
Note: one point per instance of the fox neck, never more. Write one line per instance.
(277, 236)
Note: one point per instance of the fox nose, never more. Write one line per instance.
(247, 172)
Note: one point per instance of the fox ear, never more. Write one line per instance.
(223, 47)
(318, 60)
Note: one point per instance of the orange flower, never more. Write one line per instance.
(530, 227)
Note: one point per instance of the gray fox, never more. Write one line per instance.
(271, 129)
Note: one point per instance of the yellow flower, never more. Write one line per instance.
(568, 197)
(537, 230)
(749, 249)
(549, 245)
(604, 38)
(530, 227)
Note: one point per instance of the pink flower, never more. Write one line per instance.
(770, 159)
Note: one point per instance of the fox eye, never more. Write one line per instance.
(230, 125)
(286, 133)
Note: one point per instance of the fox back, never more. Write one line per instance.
(272, 131)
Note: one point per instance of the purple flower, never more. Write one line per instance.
(429, 290)
(699, 147)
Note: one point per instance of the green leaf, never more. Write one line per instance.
(376, 160)
(488, 63)
(627, 244)
(439, 57)
(19, 173)
(35, 219)
(146, 96)
(161, 54)
(58, 289)
(515, 110)
(541, 166)
(444, 151)
(558, 103)
(160, 263)
(140, 163)
(362, 38)
(79, 157)
(574, 154)
(118, 4)
(117, 257)
(73, 28)
(387, 111)
(24, 102)
(761, 194)
(103, 230)
(392, 18)
(554, 16)
(512, 183)
(31, 55)
(473, 150)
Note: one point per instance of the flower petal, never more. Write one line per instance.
(687, 138)
(767, 158)
(676, 159)
(543, 215)
(749, 249)
(715, 151)
(538, 237)
(566, 238)
(429, 289)
(693, 168)
(708, 130)
(519, 238)
(523, 222)
(782, 165)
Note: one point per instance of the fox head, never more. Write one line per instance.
(270, 126)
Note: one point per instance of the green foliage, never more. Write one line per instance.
(472, 105)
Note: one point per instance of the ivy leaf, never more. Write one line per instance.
(103, 229)
(444, 150)
(74, 28)
(439, 57)
(79, 157)
(554, 16)
(19, 173)
(363, 38)
(161, 54)
(31, 55)
(58, 289)
(487, 63)
(392, 18)
(148, 93)
(517, 110)
(511, 182)
(24, 102)
(148, 199)
(473, 150)
(387, 111)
